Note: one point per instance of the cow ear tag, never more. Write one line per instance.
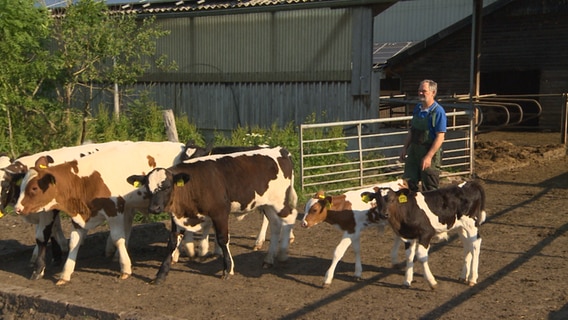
(42, 166)
(1, 214)
(180, 183)
(136, 184)
(365, 198)
(402, 199)
(328, 205)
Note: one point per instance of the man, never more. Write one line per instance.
(422, 152)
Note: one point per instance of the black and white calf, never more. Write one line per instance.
(418, 217)
(350, 213)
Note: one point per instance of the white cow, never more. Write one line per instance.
(94, 189)
(47, 223)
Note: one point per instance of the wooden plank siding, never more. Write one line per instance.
(521, 38)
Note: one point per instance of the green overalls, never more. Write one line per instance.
(420, 143)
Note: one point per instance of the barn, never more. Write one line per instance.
(523, 53)
(263, 62)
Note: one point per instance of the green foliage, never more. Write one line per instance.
(188, 131)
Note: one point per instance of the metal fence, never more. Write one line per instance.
(348, 155)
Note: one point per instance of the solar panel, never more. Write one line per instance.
(386, 50)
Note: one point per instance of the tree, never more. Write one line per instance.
(98, 49)
(24, 61)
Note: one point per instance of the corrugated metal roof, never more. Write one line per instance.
(177, 6)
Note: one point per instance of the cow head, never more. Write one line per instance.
(37, 192)
(316, 209)
(379, 209)
(160, 184)
(191, 151)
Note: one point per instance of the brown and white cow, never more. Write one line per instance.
(48, 223)
(350, 213)
(217, 185)
(419, 217)
(193, 151)
(92, 190)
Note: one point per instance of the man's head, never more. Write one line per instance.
(427, 92)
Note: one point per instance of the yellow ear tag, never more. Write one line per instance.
(402, 198)
(136, 184)
(365, 198)
(179, 183)
(321, 196)
(42, 166)
(1, 214)
(328, 205)
(19, 182)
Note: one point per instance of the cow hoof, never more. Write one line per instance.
(433, 286)
(266, 265)
(61, 282)
(326, 285)
(157, 281)
(225, 276)
(406, 284)
(257, 247)
(36, 275)
(124, 276)
(358, 279)
(471, 283)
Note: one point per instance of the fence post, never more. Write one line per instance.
(564, 123)
(170, 123)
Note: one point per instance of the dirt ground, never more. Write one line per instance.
(523, 269)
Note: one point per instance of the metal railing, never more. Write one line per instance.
(366, 152)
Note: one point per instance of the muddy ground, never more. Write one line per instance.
(523, 270)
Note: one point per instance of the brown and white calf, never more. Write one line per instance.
(217, 185)
(350, 213)
(92, 190)
(193, 151)
(419, 217)
(48, 223)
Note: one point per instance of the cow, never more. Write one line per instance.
(350, 213)
(4, 162)
(48, 223)
(420, 217)
(192, 151)
(92, 190)
(218, 185)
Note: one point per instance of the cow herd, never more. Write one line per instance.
(200, 188)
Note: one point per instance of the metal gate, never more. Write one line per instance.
(340, 156)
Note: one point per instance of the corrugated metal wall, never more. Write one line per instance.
(225, 106)
(300, 45)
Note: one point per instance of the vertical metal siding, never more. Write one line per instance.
(270, 46)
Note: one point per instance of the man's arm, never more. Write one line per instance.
(427, 160)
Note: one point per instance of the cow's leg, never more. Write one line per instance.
(221, 226)
(276, 226)
(204, 242)
(357, 250)
(471, 246)
(59, 243)
(118, 235)
(173, 243)
(337, 255)
(43, 234)
(476, 246)
(185, 240)
(422, 255)
(394, 253)
(261, 237)
(75, 240)
(410, 251)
